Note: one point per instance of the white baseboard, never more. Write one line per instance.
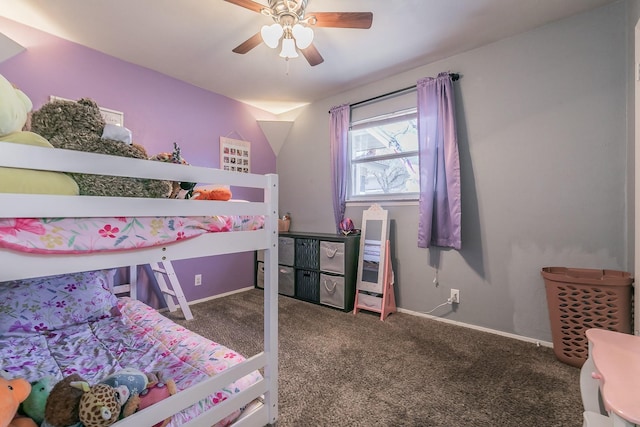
(411, 312)
(226, 294)
(248, 288)
(478, 328)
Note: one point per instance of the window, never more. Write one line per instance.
(383, 157)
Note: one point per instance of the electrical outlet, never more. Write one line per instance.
(455, 296)
(198, 279)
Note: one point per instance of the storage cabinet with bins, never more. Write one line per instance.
(318, 268)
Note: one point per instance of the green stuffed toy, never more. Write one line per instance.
(33, 406)
(15, 108)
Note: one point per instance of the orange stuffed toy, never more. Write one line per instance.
(12, 393)
(218, 193)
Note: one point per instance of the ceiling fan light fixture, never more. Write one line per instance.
(293, 24)
(288, 49)
(271, 34)
(303, 36)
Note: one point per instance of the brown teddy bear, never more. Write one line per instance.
(79, 126)
(63, 403)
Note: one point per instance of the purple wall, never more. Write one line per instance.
(158, 110)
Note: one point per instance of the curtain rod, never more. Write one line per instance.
(454, 77)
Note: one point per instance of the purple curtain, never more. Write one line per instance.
(439, 222)
(339, 128)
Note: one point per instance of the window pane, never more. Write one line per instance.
(384, 139)
(384, 156)
(385, 177)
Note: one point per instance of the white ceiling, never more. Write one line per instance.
(192, 40)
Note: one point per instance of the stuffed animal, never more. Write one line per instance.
(177, 187)
(79, 126)
(12, 393)
(347, 227)
(61, 409)
(15, 109)
(217, 193)
(156, 391)
(135, 381)
(100, 404)
(34, 404)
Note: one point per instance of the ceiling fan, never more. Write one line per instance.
(293, 25)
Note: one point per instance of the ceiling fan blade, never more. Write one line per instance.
(312, 55)
(249, 44)
(249, 4)
(343, 19)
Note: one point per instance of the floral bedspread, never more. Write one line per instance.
(82, 235)
(139, 338)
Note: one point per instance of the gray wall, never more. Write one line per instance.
(543, 146)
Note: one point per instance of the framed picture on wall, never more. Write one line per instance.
(235, 155)
(110, 116)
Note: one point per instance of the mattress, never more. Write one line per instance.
(87, 235)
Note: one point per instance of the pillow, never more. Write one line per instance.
(53, 302)
(30, 181)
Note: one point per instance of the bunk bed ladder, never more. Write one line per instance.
(173, 291)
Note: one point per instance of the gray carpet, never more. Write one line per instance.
(337, 369)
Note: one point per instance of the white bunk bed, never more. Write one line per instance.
(20, 265)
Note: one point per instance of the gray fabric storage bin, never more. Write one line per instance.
(286, 250)
(332, 257)
(286, 281)
(332, 290)
(260, 275)
(260, 255)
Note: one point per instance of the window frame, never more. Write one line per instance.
(351, 161)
